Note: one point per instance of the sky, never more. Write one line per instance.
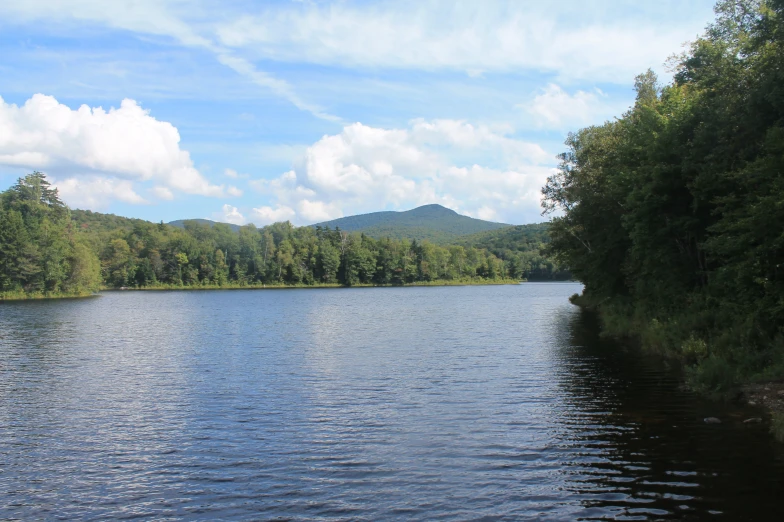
(262, 111)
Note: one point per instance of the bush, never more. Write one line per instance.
(712, 376)
(694, 350)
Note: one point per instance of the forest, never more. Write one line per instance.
(41, 250)
(46, 249)
(673, 214)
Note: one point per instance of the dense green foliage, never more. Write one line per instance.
(522, 249)
(49, 249)
(673, 215)
(41, 252)
(149, 254)
(136, 253)
(433, 223)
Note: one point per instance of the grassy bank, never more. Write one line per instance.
(235, 286)
(25, 296)
(21, 295)
(727, 366)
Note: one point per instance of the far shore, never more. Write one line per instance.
(22, 296)
(318, 285)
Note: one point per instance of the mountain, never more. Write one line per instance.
(431, 222)
(180, 223)
(434, 223)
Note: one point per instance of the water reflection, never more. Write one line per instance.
(399, 403)
(642, 449)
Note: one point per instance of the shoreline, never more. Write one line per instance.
(754, 392)
(42, 296)
(38, 296)
(315, 286)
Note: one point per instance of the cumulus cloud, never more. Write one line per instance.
(476, 170)
(267, 215)
(115, 147)
(557, 109)
(162, 193)
(230, 214)
(97, 192)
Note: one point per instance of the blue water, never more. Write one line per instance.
(438, 403)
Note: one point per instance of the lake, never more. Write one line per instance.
(421, 403)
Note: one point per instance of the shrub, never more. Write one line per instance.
(712, 376)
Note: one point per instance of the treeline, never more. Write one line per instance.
(41, 252)
(48, 249)
(148, 254)
(523, 249)
(673, 215)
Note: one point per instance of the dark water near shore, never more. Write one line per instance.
(443, 403)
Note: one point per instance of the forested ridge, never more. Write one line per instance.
(523, 248)
(434, 223)
(673, 214)
(48, 249)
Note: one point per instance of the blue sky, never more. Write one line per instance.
(311, 110)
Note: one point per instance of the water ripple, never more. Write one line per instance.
(464, 403)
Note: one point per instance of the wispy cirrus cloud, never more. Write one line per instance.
(501, 36)
(492, 36)
(182, 21)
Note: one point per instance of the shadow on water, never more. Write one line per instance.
(643, 449)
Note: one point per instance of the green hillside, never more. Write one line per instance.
(123, 245)
(180, 223)
(98, 228)
(515, 238)
(430, 222)
(521, 247)
(88, 220)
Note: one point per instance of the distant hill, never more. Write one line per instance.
(180, 223)
(520, 247)
(519, 238)
(98, 222)
(523, 246)
(434, 223)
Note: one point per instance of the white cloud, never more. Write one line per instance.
(575, 41)
(557, 109)
(263, 79)
(600, 41)
(231, 173)
(487, 213)
(187, 22)
(162, 193)
(95, 192)
(233, 191)
(267, 215)
(472, 169)
(315, 211)
(229, 214)
(124, 143)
